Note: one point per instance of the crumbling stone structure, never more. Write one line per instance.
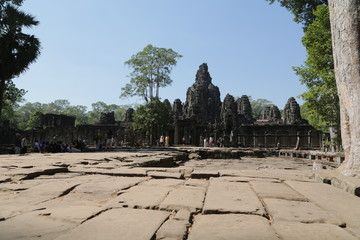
(203, 102)
(107, 118)
(203, 115)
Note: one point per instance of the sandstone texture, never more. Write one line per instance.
(151, 194)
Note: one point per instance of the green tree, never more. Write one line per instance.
(151, 70)
(317, 74)
(17, 49)
(321, 107)
(152, 119)
(57, 107)
(12, 97)
(24, 112)
(99, 107)
(258, 106)
(34, 121)
(79, 112)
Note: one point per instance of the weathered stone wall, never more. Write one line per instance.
(202, 98)
(203, 115)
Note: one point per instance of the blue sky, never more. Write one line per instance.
(249, 46)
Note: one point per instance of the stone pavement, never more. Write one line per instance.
(164, 195)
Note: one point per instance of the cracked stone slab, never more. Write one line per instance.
(30, 173)
(173, 229)
(70, 213)
(231, 227)
(4, 179)
(33, 226)
(163, 182)
(231, 197)
(28, 199)
(315, 231)
(102, 189)
(197, 183)
(184, 197)
(333, 200)
(276, 190)
(46, 191)
(121, 223)
(146, 197)
(295, 211)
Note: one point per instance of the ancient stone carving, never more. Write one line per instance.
(271, 113)
(107, 118)
(177, 109)
(57, 120)
(229, 114)
(129, 115)
(265, 114)
(275, 115)
(292, 112)
(203, 98)
(244, 110)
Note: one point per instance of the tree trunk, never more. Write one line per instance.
(2, 95)
(345, 26)
(157, 90)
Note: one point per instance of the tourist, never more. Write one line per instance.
(211, 141)
(97, 139)
(167, 140)
(221, 140)
(17, 143)
(161, 141)
(37, 147)
(24, 145)
(206, 142)
(108, 139)
(183, 140)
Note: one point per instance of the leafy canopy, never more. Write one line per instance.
(153, 118)
(258, 105)
(151, 70)
(317, 74)
(17, 49)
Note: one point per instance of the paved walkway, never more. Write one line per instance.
(131, 195)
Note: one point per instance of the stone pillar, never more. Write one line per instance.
(176, 134)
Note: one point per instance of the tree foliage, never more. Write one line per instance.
(152, 119)
(321, 107)
(24, 112)
(151, 70)
(258, 106)
(317, 74)
(99, 107)
(17, 49)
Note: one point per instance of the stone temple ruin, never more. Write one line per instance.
(202, 115)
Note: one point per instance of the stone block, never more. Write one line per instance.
(315, 231)
(231, 197)
(121, 223)
(231, 227)
(184, 197)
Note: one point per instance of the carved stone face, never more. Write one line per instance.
(129, 115)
